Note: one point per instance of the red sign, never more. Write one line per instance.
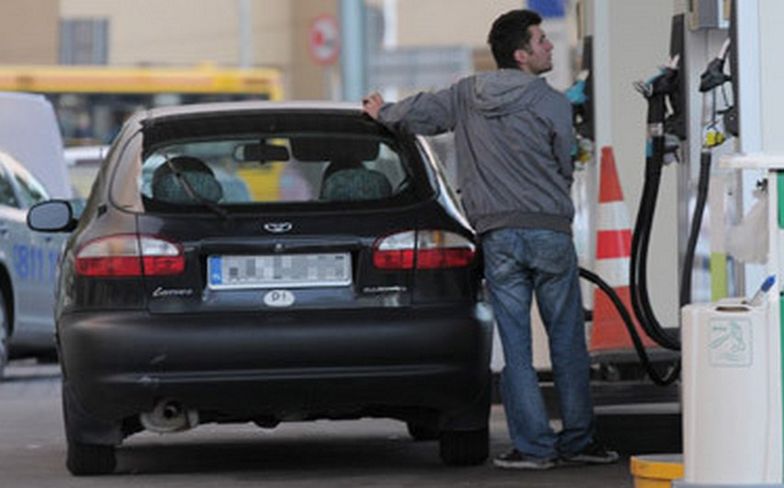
(324, 39)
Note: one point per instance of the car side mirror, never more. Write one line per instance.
(51, 216)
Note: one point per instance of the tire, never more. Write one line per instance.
(421, 432)
(4, 335)
(84, 459)
(464, 447)
(90, 459)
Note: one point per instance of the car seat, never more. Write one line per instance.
(166, 186)
(348, 180)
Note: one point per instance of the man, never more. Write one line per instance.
(513, 138)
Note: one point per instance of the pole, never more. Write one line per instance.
(244, 13)
(352, 37)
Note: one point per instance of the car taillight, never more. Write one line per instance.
(129, 255)
(428, 249)
(441, 249)
(395, 251)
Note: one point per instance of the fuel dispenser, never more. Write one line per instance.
(731, 349)
(732, 373)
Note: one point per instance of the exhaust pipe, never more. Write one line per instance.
(169, 416)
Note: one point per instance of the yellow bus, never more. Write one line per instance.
(92, 101)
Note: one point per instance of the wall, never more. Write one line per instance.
(174, 32)
(771, 12)
(29, 31)
(187, 31)
(448, 22)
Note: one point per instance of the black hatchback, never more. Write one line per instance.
(268, 262)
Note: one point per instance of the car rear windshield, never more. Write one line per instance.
(227, 162)
(283, 168)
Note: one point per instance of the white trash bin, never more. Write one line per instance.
(731, 396)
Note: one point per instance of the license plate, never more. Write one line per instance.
(279, 271)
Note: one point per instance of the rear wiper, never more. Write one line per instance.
(186, 185)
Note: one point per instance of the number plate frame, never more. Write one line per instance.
(240, 272)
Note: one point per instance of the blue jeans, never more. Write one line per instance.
(520, 264)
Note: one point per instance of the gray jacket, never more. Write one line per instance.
(513, 138)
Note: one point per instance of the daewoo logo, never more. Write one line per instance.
(277, 227)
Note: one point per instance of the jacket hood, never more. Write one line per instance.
(506, 91)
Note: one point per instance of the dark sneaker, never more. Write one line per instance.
(594, 453)
(515, 459)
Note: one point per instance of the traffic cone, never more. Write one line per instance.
(613, 255)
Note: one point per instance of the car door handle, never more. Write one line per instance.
(3, 231)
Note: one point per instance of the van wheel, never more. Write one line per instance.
(4, 336)
(464, 447)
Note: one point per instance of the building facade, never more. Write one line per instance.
(189, 32)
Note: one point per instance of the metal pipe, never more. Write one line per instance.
(352, 42)
(245, 17)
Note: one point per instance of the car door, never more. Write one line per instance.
(15, 246)
(35, 257)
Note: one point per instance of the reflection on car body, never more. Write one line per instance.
(341, 284)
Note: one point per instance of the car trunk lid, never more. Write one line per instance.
(319, 261)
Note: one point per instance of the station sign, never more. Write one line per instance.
(324, 39)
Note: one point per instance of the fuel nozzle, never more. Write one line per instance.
(664, 82)
(714, 75)
(660, 89)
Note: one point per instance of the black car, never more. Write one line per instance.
(341, 282)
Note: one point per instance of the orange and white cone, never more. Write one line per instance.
(613, 255)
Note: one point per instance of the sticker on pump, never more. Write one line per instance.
(278, 298)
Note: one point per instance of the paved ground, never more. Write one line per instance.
(375, 453)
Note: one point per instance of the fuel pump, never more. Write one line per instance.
(659, 91)
(666, 129)
(580, 95)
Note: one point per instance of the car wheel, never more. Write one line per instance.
(421, 432)
(90, 459)
(4, 336)
(464, 447)
(85, 459)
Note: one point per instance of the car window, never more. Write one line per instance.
(7, 196)
(280, 168)
(31, 190)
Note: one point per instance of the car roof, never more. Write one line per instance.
(249, 106)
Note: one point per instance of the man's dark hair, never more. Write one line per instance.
(510, 33)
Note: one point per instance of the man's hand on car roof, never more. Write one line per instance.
(372, 104)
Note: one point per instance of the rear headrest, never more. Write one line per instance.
(355, 184)
(340, 164)
(166, 187)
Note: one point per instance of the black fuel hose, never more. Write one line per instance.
(696, 223)
(656, 94)
(658, 379)
(638, 269)
(638, 274)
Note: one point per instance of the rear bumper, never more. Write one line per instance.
(245, 366)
